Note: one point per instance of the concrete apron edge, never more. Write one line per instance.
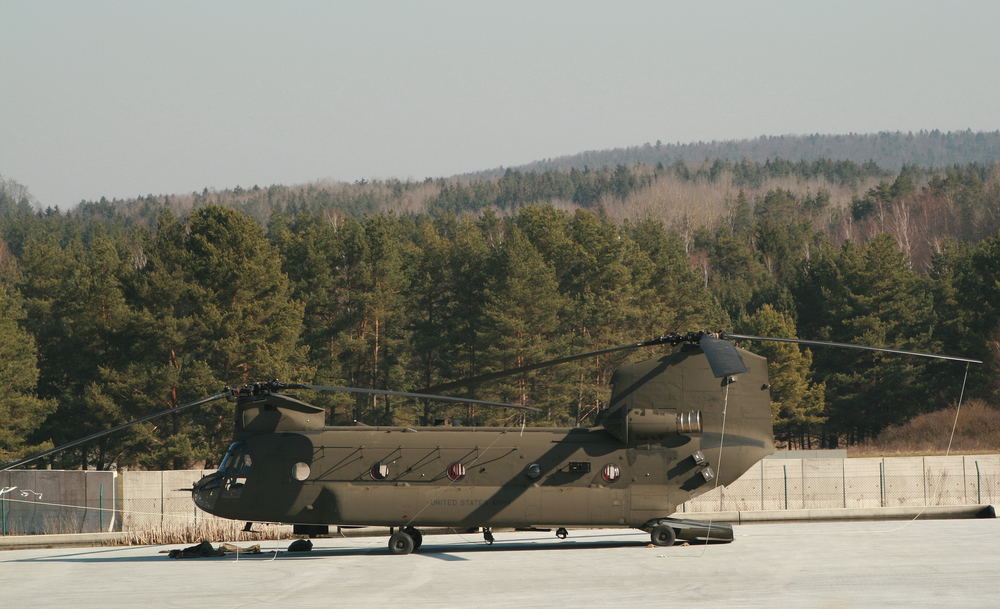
(937, 512)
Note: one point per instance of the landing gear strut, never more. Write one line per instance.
(417, 536)
(488, 535)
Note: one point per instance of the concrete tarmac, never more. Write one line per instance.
(924, 563)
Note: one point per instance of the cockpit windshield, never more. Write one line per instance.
(236, 465)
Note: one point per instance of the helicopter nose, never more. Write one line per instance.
(205, 492)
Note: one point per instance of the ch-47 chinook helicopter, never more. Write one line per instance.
(676, 426)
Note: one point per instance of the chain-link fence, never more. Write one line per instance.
(160, 500)
(780, 484)
(53, 501)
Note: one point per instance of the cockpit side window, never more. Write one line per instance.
(230, 458)
(244, 465)
(236, 465)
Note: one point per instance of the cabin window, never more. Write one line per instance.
(456, 471)
(379, 471)
(611, 472)
(300, 471)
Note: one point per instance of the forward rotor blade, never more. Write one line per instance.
(822, 343)
(722, 356)
(672, 339)
(406, 394)
(107, 432)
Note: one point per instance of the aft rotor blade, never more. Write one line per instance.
(722, 356)
(482, 378)
(822, 343)
(406, 394)
(107, 432)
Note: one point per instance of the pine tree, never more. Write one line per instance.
(351, 278)
(21, 411)
(216, 311)
(977, 283)
(447, 295)
(218, 280)
(868, 295)
(522, 319)
(78, 312)
(796, 403)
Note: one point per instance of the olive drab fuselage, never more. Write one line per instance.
(671, 432)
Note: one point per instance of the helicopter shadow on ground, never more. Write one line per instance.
(455, 551)
(443, 551)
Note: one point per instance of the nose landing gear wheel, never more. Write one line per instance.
(562, 533)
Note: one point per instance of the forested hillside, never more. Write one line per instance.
(890, 149)
(122, 308)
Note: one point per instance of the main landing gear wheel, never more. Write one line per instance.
(400, 542)
(562, 533)
(418, 537)
(663, 535)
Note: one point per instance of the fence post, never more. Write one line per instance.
(785, 467)
(843, 480)
(118, 513)
(923, 466)
(802, 482)
(965, 483)
(86, 504)
(100, 509)
(881, 481)
(979, 486)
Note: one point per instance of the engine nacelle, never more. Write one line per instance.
(275, 412)
(637, 424)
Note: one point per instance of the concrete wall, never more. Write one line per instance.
(47, 501)
(56, 501)
(776, 484)
(982, 479)
(156, 499)
(862, 483)
(782, 484)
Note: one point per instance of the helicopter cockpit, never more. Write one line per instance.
(235, 466)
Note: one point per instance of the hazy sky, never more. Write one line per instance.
(128, 98)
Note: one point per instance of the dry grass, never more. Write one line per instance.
(215, 531)
(978, 431)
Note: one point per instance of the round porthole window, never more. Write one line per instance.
(456, 471)
(611, 472)
(379, 471)
(300, 471)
